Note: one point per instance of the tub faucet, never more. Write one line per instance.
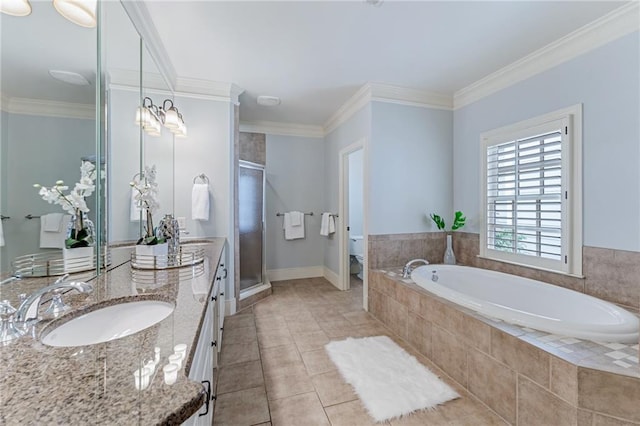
(29, 307)
(406, 271)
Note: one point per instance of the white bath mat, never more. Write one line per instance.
(388, 380)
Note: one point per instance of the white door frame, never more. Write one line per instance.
(343, 211)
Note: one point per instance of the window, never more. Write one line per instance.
(531, 193)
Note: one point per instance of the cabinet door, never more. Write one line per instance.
(202, 367)
(222, 276)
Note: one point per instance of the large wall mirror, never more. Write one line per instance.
(49, 126)
(48, 122)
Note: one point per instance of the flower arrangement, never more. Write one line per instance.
(147, 198)
(458, 221)
(74, 203)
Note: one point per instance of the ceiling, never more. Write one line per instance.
(316, 55)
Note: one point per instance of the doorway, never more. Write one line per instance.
(251, 181)
(353, 241)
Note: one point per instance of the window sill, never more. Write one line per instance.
(524, 265)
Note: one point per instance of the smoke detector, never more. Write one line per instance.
(268, 100)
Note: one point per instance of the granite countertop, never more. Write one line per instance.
(94, 384)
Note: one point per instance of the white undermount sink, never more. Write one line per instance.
(108, 323)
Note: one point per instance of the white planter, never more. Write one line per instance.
(152, 256)
(78, 259)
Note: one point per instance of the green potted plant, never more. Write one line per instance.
(458, 222)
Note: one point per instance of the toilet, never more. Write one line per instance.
(356, 253)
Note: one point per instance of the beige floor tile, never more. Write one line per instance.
(279, 356)
(299, 410)
(310, 341)
(238, 321)
(350, 414)
(485, 418)
(275, 337)
(303, 326)
(245, 407)
(293, 381)
(240, 335)
(236, 377)
(235, 353)
(360, 318)
(317, 362)
(332, 389)
(421, 418)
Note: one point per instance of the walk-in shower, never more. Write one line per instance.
(251, 181)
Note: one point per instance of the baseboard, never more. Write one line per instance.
(294, 273)
(229, 307)
(332, 277)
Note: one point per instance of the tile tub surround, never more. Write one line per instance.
(522, 374)
(610, 274)
(94, 384)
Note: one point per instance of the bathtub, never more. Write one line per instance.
(529, 303)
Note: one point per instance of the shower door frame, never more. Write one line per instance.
(251, 290)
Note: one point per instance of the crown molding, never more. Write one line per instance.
(47, 108)
(413, 97)
(615, 24)
(141, 19)
(354, 104)
(228, 91)
(388, 93)
(284, 129)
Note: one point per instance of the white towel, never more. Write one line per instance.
(327, 224)
(52, 222)
(200, 201)
(296, 218)
(292, 232)
(135, 206)
(1, 235)
(53, 239)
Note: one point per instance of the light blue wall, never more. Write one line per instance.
(294, 181)
(410, 157)
(356, 128)
(356, 194)
(607, 82)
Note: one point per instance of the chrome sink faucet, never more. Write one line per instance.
(408, 267)
(28, 309)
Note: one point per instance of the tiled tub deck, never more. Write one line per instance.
(526, 376)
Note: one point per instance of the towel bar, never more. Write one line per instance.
(306, 214)
(30, 216)
(2, 217)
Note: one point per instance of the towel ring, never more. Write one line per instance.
(201, 176)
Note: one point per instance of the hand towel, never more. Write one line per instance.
(296, 218)
(292, 232)
(200, 201)
(327, 224)
(53, 239)
(135, 206)
(52, 222)
(1, 235)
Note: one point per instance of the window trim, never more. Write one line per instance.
(571, 182)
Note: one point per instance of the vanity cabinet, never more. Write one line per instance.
(205, 360)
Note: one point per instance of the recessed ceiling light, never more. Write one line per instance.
(376, 3)
(69, 77)
(268, 100)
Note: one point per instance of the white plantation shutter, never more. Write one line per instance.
(525, 200)
(524, 194)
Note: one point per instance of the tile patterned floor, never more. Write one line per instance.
(274, 369)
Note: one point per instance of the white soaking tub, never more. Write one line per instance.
(529, 303)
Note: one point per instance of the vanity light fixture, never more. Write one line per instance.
(80, 12)
(15, 7)
(152, 118)
(147, 117)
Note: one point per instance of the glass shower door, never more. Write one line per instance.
(250, 224)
